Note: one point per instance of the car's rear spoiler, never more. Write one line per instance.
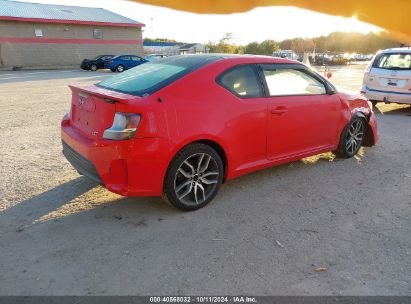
(106, 95)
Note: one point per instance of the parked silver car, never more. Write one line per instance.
(388, 77)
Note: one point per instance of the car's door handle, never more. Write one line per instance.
(279, 111)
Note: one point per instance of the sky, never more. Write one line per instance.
(277, 23)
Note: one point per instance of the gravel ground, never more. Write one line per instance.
(265, 234)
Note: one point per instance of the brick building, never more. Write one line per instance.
(40, 35)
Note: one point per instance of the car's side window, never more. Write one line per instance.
(135, 58)
(288, 81)
(242, 81)
(125, 57)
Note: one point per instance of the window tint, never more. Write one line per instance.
(152, 76)
(292, 82)
(242, 81)
(125, 57)
(393, 62)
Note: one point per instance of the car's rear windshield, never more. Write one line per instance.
(393, 61)
(149, 77)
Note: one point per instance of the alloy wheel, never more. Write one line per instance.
(355, 136)
(196, 179)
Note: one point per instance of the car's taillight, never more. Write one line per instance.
(124, 126)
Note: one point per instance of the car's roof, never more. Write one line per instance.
(126, 55)
(237, 58)
(196, 60)
(397, 50)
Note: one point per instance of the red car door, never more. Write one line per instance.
(302, 114)
(248, 128)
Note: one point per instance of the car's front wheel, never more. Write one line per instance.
(194, 177)
(93, 67)
(352, 138)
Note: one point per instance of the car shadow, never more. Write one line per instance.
(79, 199)
(31, 209)
(70, 199)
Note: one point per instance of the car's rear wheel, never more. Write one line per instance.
(194, 177)
(352, 138)
(120, 68)
(93, 67)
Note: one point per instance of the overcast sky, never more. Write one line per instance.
(276, 23)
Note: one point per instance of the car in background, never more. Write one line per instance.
(388, 77)
(287, 54)
(180, 126)
(96, 63)
(120, 63)
(154, 57)
(340, 59)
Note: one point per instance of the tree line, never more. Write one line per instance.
(337, 42)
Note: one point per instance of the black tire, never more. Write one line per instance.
(120, 68)
(93, 67)
(193, 171)
(352, 138)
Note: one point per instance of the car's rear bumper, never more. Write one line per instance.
(386, 96)
(133, 167)
(80, 163)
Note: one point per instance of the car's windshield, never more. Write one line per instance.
(397, 61)
(152, 76)
(97, 57)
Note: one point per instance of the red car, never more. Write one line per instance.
(181, 126)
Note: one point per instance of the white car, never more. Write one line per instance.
(288, 54)
(388, 77)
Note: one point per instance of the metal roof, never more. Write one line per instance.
(159, 43)
(25, 10)
(187, 46)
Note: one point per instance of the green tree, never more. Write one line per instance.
(267, 47)
(224, 45)
(252, 48)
